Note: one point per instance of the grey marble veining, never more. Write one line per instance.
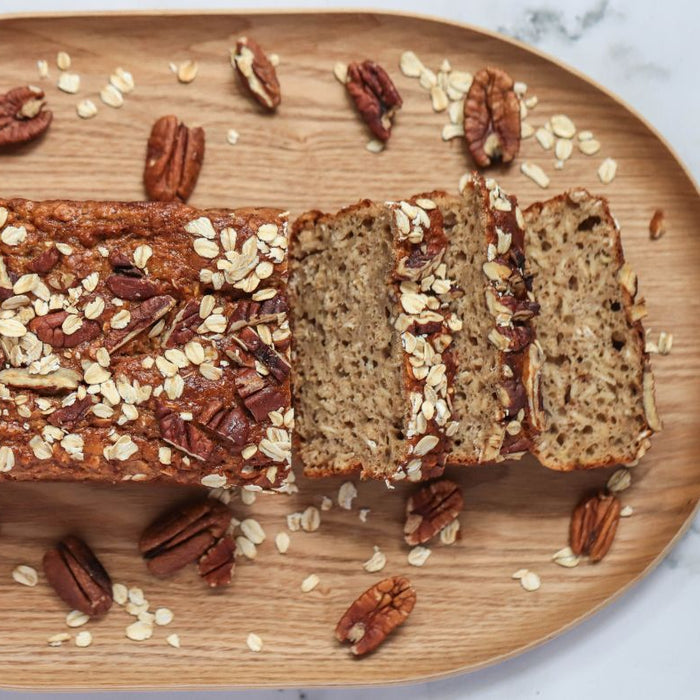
(645, 645)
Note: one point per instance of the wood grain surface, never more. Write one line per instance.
(311, 154)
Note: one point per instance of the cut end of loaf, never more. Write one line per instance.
(596, 385)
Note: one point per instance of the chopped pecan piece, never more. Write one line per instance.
(22, 115)
(492, 118)
(251, 313)
(430, 509)
(68, 416)
(262, 402)
(183, 434)
(173, 160)
(247, 382)
(53, 383)
(375, 96)
(122, 264)
(131, 288)
(184, 325)
(48, 330)
(44, 262)
(376, 614)
(216, 564)
(257, 73)
(183, 535)
(77, 576)
(594, 524)
(228, 423)
(143, 316)
(254, 344)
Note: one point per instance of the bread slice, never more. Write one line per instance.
(372, 368)
(597, 387)
(496, 382)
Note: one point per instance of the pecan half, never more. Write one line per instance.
(183, 535)
(143, 316)
(173, 160)
(131, 288)
(492, 118)
(594, 524)
(264, 353)
(48, 330)
(430, 509)
(78, 577)
(375, 96)
(216, 564)
(183, 434)
(22, 115)
(257, 73)
(228, 423)
(376, 614)
(44, 262)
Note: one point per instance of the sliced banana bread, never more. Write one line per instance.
(372, 364)
(496, 398)
(597, 388)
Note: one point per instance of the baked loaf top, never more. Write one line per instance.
(144, 341)
(597, 386)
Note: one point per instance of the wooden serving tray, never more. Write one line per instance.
(469, 611)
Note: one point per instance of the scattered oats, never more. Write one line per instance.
(456, 112)
(375, 146)
(95, 374)
(282, 542)
(309, 583)
(122, 80)
(136, 596)
(86, 109)
(626, 511)
(83, 639)
(607, 171)
(201, 227)
(376, 562)
(214, 481)
(310, 519)
(530, 581)
(12, 328)
(519, 88)
(254, 642)
(535, 173)
(173, 640)
(120, 593)
(252, 529)
(248, 497)
(438, 98)
(452, 131)
(7, 459)
(246, 548)
(71, 324)
(427, 78)
(410, 65)
(448, 534)
(139, 631)
(163, 616)
(274, 59)
(120, 320)
(562, 126)
(346, 494)
(665, 343)
(563, 149)
(26, 575)
(418, 555)
(41, 449)
(565, 557)
(363, 513)
(460, 81)
(69, 82)
(340, 71)
(232, 137)
(585, 135)
(620, 480)
(545, 138)
(187, 71)
(56, 640)
(43, 68)
(326, 503)
(526, 130)
(62, 60)
(142, 255)
(427, 442)
(590, 147)
(208, 371)
(531, 102)
(294, 522)
(94, 309)
(76, 618)
(206, 248)
(174, 386)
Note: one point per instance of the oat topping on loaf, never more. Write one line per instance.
(496, 381)
(144, 341)
(371, 345)
(597, 385)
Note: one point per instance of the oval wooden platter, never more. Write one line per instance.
(312, 154)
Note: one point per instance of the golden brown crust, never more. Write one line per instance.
(146, 346)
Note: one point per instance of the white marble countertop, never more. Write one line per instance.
(644, 645)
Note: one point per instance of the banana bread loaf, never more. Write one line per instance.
(143, 341)
(597, 387)
(372, 362)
